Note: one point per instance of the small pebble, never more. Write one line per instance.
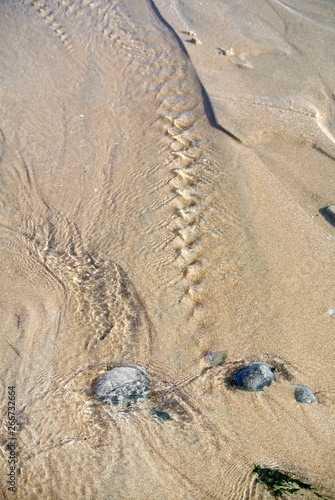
(216, 358)
(124, 385)
(160, 415)
(303, 394)
(194, 38)
(225, 52)
(253, 376)
(331, 211)
(195, 41)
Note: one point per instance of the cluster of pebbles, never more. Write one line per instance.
(130, 384)
(255, 376)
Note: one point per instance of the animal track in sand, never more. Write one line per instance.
(178, 110)
(179, 106)
(48, 14)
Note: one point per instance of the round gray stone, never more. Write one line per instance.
(303, 394)
(253, 376)
(124, 385)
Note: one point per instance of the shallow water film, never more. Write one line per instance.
(166, 250)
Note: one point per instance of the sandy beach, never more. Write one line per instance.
(166, 169)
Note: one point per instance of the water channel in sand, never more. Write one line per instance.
(151, 216)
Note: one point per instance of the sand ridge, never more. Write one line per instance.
(134, 230)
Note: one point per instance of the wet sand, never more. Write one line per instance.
(165, 169)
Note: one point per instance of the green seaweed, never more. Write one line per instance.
(279, 483)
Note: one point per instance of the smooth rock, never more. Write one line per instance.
(253, 376)
(303, 394)
(124, 385)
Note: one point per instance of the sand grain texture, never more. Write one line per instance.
(135, 230)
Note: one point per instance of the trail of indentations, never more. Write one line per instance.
(177, 98)
(49, 15)
(179, 106)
